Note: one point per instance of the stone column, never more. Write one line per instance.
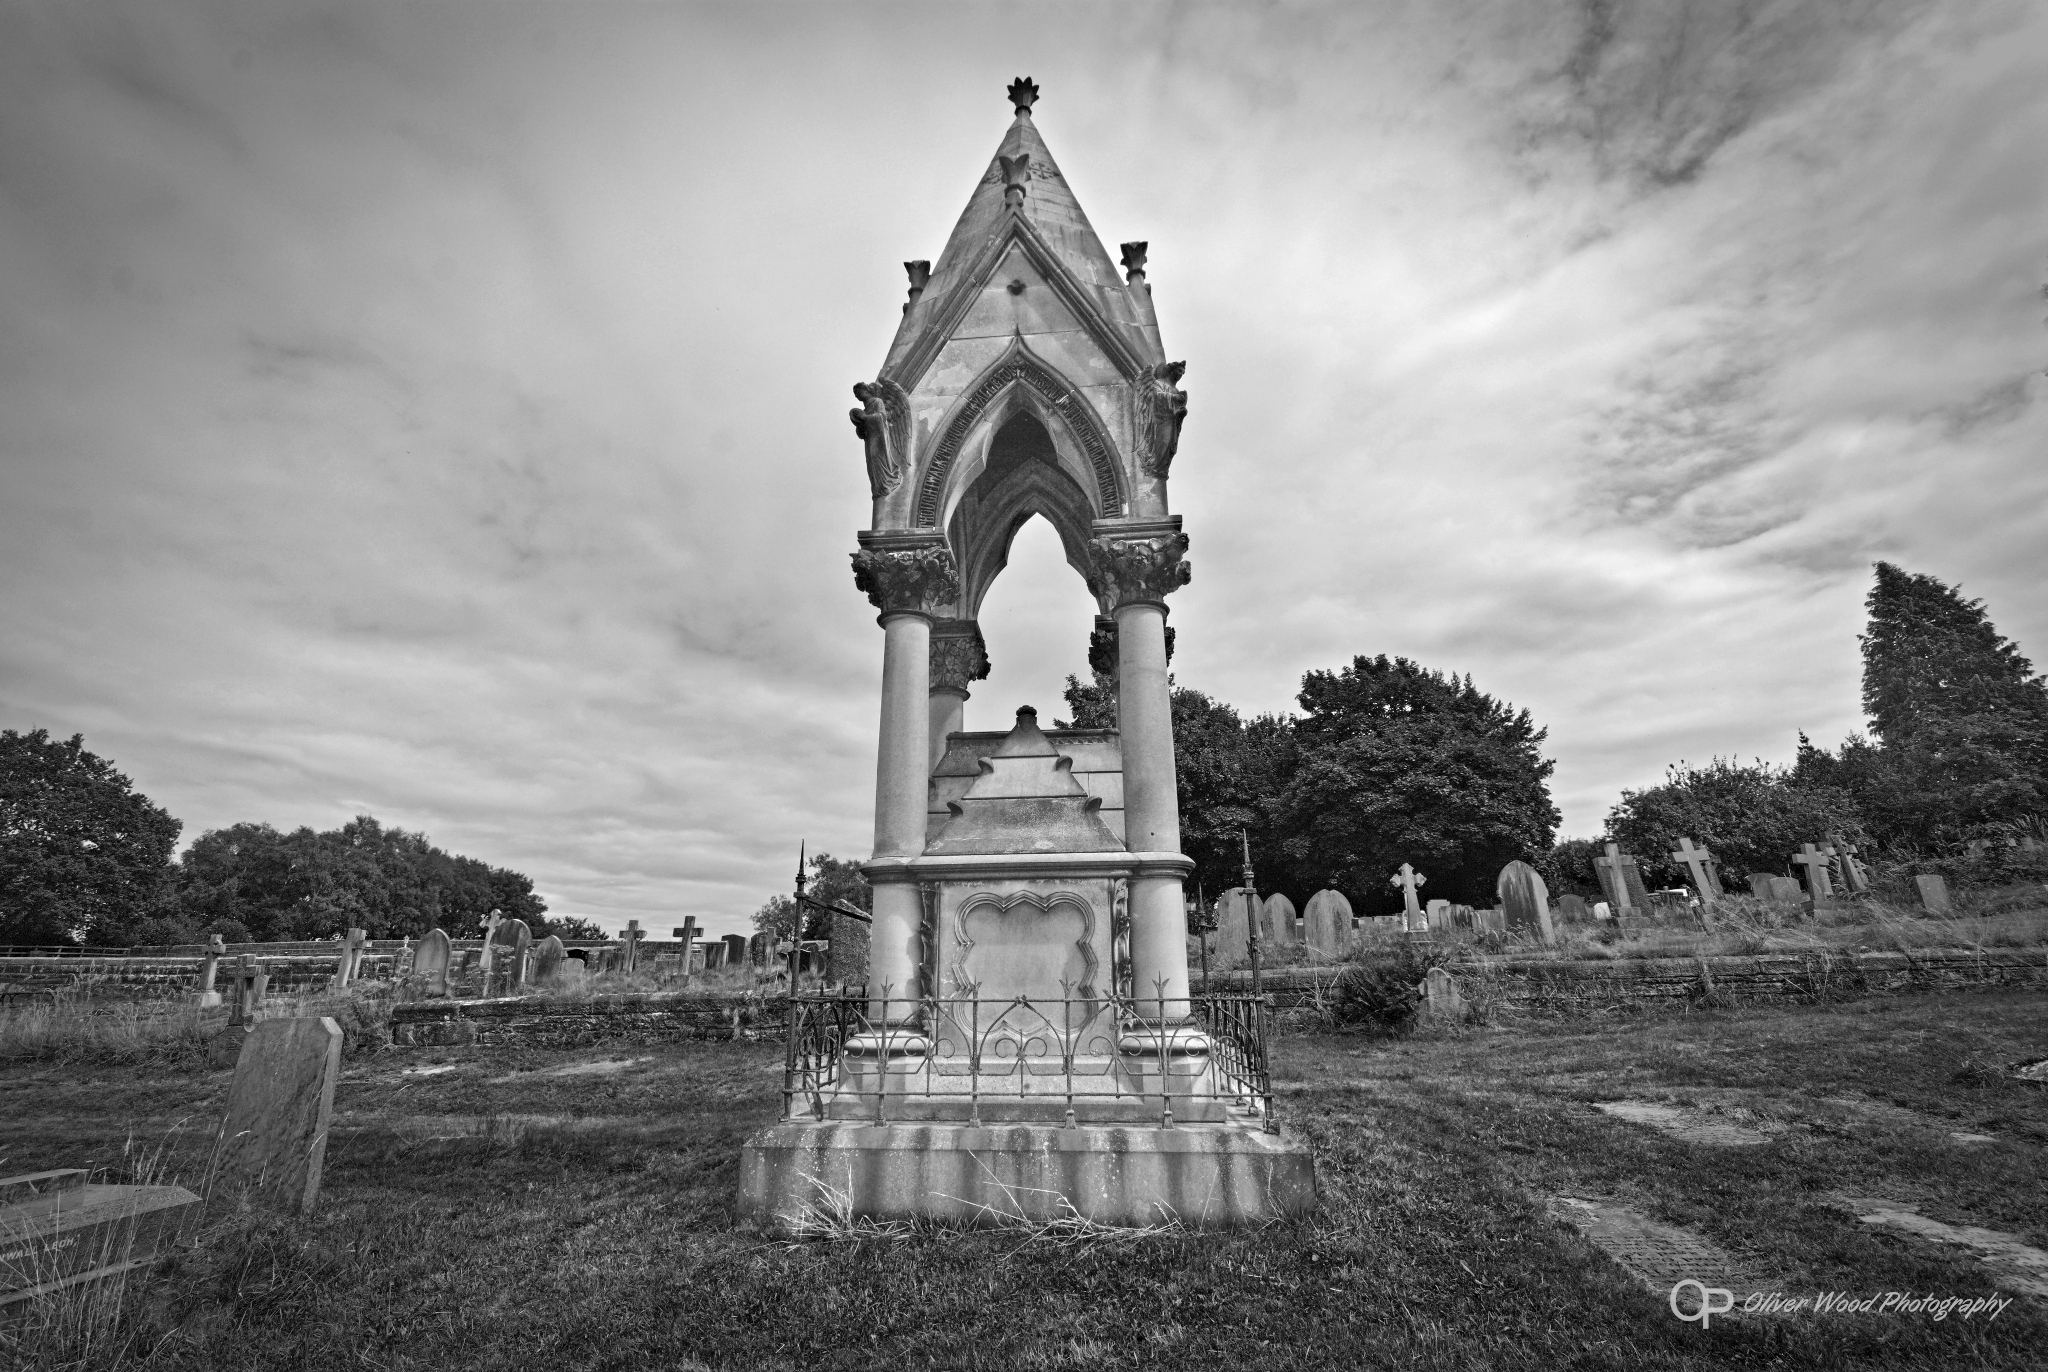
(958, 657)
(1135, 575)
(907, 578)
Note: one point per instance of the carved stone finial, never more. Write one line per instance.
(1137, 569)
(918, 580)
(1162, 409)
(882, 419)
(920, 274)
(1134, 262)
(1016, 170)
(958, 655)
(1023, 94)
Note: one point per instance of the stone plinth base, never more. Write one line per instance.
(1210, 1175)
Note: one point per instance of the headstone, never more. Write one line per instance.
(1463, 919)
(1785, 891)
(630, 941)
(761, 950)
(736, 950)
(1492, 921)
(430, 963)
(1279, 914)
(1815, 862)
(353, 945)
(1855, 876)
(273, 1140)
(209, 971)
(1408, 879)
(1438, 916)
(1621, 881)
(1235, 911)
(1326, 924)
(1602, 910)
(1525, 899)
(1441, 999)
(714, 955)
(548, 957)
(251, 979)
(1381, 928)
(485, 964)
(511, 943)
(1699, 863)
(57, 1231)
(1573, 909)
(1933, 895)
(1760, 885)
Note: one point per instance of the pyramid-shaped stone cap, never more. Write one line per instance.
(1055, 220)
(1025, 801)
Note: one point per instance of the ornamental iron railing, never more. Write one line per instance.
(1070, 1059)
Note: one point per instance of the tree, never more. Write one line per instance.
(832, 880)
(569, 927)
(81, 851)
(1398, 763)
(1569, 867)
(1752, 817)
(1227, 772)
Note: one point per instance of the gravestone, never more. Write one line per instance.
(58, 1231)
(1818, 888)
(548, 957)
(1493, 921)
(1381, 928)
(1409, 880)
(1235, 911)
(1326, 924)
(714, 955)
(353, 945)
(209, 970)
(629, 940)
(511, 942)
(1280, 921)
(487, 953)
(1699, 864)
(1441, 999)
(1786, 891)
(1573, 909)
(1602, 910)
(1438, 916)
(736, 949)
(1621, 881)
(761, 950)
(250, 980)
(1933, 895)
(1525, 900)
(1855, 876)
(1464, 919)
(687, 936)
(273, 1140)
(430, 963)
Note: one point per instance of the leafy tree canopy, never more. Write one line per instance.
(81, 851)
(1752, 817)
(832, 879)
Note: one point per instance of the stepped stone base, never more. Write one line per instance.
(1209, 1175)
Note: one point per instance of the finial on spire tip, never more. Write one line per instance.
(1023, 94)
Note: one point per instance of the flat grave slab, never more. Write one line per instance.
(1686, 1124)
(1658, 1255)
(2013, 1265)
(58, 1230)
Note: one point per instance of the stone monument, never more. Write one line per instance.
(1524, 899)
(274, 1138)
(430, 963)
(1326, 923)
(1000, 1059)
(1279, 925)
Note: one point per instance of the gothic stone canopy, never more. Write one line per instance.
(1026, 378)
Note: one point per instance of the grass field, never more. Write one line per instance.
(569, 1210)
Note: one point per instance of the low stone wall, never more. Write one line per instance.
(166, 977)
(545, 1022)
(1649, 985)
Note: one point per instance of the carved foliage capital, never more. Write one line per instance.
(1126, 570)
(915, 579)
(958, 655)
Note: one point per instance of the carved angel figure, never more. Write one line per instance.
(879, 419)
(1162, 408)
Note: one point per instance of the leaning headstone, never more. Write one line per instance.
(353, 945)
(1933, 895)
(1573, 909)
(1235, 911)
(629, 940)
(511, 942)
(1279, 915)
(1326, 924)
(1441, 999)
(273, 1140)
(430, 963)
(1621, 881)
(1819, 889)
(209, 971)
(251, 979)
(58, 1231)
(548, 957)
(1525, 899)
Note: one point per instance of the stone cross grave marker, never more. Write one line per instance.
(251, 979)
(209, 971)
(485, 954)
(273, 1140)
(353, 945)
(1235, 911)
(430, 962)
(1279, 925)
(631, 940)
(1700, 863)
(1621, 880)
(1818, 889)
(1855, 877)
(1408, 879)
(1933, 894)
(687, 936)
(548, 957)
(57, 1230)
(1524, 900)
(512, 942)
(1326, 924)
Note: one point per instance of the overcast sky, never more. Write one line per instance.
(439, 411)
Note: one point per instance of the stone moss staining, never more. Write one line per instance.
(1027, 1017)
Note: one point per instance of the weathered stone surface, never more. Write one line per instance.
(1933, 893)
(1326, 925)
(1235, 911)
(1656, 1254)
(57, 1230)
(548, 958)
(1279, 917)
(2011, 1264)
(430, 962)
(273, 1140)
(1525, 899)
(1573, 909)
(649, 1017)
(1441, 1000)
(1438, 915)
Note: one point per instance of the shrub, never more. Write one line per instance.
(1382, 991)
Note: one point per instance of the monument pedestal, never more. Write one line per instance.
(1204, 1175)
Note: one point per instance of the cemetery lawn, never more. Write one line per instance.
(569, 1209)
